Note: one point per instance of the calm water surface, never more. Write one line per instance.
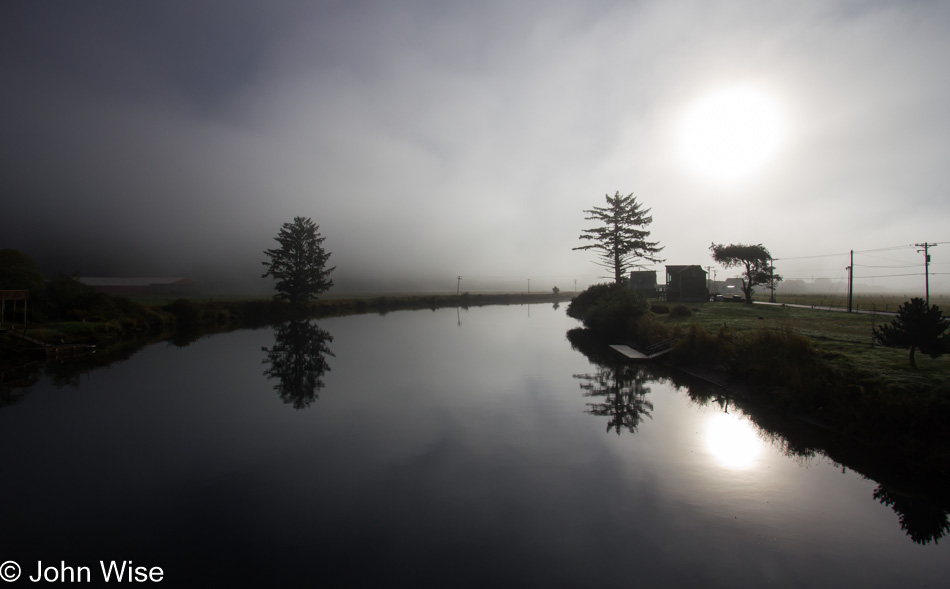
(445, 448)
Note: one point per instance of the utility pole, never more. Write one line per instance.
(850, 281)
(529, 286)
(771, 281)
(458, 287)
(575, 285)
(926, 251)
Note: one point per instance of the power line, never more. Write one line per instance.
(880, 249)
(860, 276)
(809, 257)
(899, 275)
(885, 259)
(884, 249)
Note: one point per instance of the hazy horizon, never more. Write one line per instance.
(430, 140)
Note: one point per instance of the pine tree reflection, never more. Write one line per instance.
(624, 395)
(621, 385)
(298, 361)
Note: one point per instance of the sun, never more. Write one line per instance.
(731, 132)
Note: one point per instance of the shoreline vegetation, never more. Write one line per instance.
(100, 319)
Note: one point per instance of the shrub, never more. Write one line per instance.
(580, 304)
(698, 346)
(186, 312)
(918, 326)
(680, 311)
(660, 309)
(610, 310)
(648, 330)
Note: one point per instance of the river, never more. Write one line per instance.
(446, 448)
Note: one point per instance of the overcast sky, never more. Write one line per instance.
(436, 139)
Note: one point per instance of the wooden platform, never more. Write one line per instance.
(630, 352)
(40, 347)
(654, 351)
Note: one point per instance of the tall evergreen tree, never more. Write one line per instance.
(300, 263)
(621, 238)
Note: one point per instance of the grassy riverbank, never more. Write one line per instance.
(844, 339)
(115, 319)
(821, 365)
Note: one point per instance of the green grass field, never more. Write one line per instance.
(864, 302)
(844, 338)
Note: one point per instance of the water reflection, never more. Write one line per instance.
(298, 361)
(620, 385)
(736, 439)
(732, 441)
(622, 394)
(15, 382)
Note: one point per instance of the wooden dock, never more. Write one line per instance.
(630, 352)
(654, 351)
(22, 336)
(54, 350)
(60, 350)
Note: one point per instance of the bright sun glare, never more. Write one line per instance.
(732, 441)
(729, 133)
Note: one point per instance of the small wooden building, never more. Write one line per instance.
(644, 282)
(686, 284)
(13, 296)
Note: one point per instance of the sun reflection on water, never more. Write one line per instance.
(732, 441)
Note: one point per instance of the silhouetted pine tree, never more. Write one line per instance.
(621, 239)
(300, 263)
